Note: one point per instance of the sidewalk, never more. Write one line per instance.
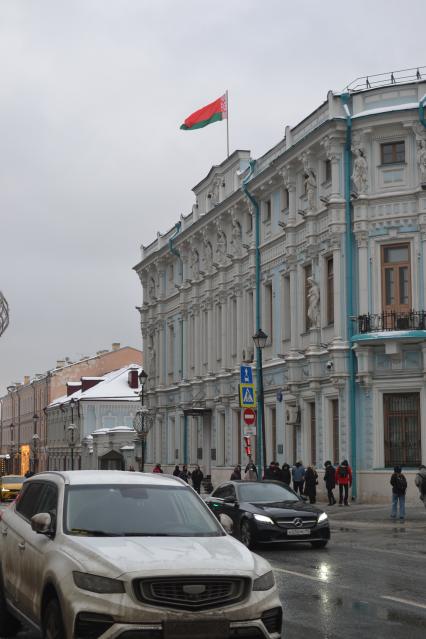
(373, 515)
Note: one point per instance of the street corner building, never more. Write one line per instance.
(341, 204)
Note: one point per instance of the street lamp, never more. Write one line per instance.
(72, 437)
(35, 443)
(260, 338)
(12, 454)
(140, 420)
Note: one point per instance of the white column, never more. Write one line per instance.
(211, 355)
(338, 292)
(240, 329)
(224, 335)
(197, 354)
(295, 329)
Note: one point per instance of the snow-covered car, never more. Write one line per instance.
(110, 554)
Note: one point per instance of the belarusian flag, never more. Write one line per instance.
(217, 110)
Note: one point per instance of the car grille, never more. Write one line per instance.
(296, 522)
(191, 593)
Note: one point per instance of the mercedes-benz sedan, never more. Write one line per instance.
(268, 511)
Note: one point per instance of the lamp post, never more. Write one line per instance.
(72, 436)
(35, 446)
(260, 338)
(140, 420)
(12, 455)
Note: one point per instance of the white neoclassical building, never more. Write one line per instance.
(342, 204)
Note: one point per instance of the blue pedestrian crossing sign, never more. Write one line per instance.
(246, 375)
(247, 395)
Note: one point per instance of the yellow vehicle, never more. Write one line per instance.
(10, 485)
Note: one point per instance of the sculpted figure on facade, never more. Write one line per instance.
(195, 264)
(360, 170)
(151, 289)
(421, 159)
(208, 253)
(220, 245)
(215, 191)
(237, 236)
(313, 303)
(151, 360)
(310, 188)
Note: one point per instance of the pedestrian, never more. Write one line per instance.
(236, 473)
(286, 474)
(420, 481)
(344, 480)
(298, 474)
(399, 487)
(311, 481)
(330, 481)
(29, 474)
(185, 474)
(250, 473)
(131, 469)
(270, 471)
(157, 469)
(197, 477)
(176, 472)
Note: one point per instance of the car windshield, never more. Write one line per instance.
(12, 480)
(259, 492)
(137, 510)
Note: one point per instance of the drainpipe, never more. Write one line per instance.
(175, 251)
(350, 306)
(259, 443)
(422, 110)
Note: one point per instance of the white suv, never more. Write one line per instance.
(109, 554)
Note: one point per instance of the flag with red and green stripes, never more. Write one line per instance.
(213, 112)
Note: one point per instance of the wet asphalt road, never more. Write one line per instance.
(370, 581)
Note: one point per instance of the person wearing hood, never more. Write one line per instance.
(330, 481)
(298, 473)
(286, 474)
(420, 481)
(236, 474)
(344, 481)
(399, 487)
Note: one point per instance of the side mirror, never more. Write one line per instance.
(42, 523)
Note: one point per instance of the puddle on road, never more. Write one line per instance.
(396, 616)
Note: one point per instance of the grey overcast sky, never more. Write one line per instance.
(92, 161)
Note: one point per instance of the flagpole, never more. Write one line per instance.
(227, 123)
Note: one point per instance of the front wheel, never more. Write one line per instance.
(246, 535)
(319, 544)
(9, 626)
(53, 626)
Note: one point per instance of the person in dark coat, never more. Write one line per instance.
(176, 472)
(298, 474)
(236, 473)
(330, 481)
(311, 481)
(197, 477)
(399, 488)
(270, 471)
(286, 474)
(185, 474)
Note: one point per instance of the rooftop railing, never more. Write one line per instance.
(402, 76)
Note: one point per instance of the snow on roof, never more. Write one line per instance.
(114, 386)
(395, 107)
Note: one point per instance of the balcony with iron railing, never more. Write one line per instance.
(390, 321)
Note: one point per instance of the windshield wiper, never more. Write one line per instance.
(95, 533)
(146, 534)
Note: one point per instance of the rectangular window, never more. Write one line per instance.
(307, 274)
(267, 211)
(285, 308)
(393, 152)
(249, 227)
(221, 439)
(327, 171)
(396, 278)
(170, 352)
(402, 439)
(313, 432)
(330, 290)
(286, 199)
(335, 430)
(269, 311)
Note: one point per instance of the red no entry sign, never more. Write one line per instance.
(249, 416)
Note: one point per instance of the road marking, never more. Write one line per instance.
(404, 601)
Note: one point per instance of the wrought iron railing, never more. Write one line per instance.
(391, 321)
(401, 76)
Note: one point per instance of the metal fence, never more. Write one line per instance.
(391, 321)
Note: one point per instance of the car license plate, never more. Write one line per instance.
(298, 531)
(213, 629)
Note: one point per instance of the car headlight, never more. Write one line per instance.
(265, 582)
(322, 518)
(94, 583)
(264, 519)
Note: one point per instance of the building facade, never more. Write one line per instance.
(342, 205)
(23, 422)
(91, 427)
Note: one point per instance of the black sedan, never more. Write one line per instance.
(268, 512)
